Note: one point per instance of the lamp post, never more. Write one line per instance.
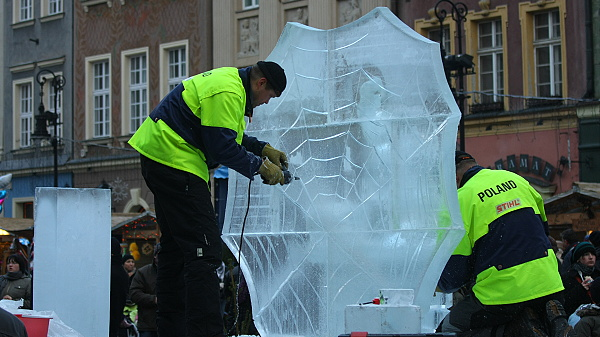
(45, 118)
(459, 63)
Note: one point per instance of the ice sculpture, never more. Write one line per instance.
(369, 125)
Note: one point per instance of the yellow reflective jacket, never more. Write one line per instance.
(505, 247)
(199, 123)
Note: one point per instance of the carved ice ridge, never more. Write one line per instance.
(369, 125)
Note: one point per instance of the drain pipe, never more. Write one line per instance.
(589, 50)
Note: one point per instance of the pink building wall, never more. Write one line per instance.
(548, 145)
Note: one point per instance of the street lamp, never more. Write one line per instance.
(47, 118)
(456, 65)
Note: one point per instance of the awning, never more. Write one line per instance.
(579, 207)
(21, 226)
(121, 219)
(16, 224)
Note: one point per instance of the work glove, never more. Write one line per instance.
(270, 173)
(275, 156)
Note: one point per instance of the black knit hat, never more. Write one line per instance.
(127, 257)
(581, 249)
(274, 75)
(459, 156)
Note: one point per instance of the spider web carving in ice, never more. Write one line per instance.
(369, 125)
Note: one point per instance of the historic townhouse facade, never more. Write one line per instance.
(528, 92)
(123, 58)
(531, 103)
(128, 55)
(527, 98)
(248, 30)
(37, 38)
(532, 86)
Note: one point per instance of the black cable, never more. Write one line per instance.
(237, 288)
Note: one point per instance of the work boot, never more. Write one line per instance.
(557, 317)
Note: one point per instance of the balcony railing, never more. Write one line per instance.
(486, 107)
(485, 103)
(544, 102)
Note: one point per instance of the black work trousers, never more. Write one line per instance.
(187, 286)
(471, 314)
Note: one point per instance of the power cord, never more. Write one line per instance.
(237, 288)
(288, 178)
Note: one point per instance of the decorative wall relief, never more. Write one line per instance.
(248, 45)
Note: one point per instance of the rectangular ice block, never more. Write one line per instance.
(72, 232)
(384, 319)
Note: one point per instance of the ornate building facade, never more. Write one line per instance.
(529, 95)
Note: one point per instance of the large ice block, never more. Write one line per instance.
(369, 125)
(72, 257)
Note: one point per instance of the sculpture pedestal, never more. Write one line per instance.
(397, 315)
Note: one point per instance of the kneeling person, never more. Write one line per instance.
(505, 254)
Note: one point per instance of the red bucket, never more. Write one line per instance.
(36, 326)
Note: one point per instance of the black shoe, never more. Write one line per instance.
(557, 317)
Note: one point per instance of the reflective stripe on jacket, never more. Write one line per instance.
(200, 122)
(505, 247)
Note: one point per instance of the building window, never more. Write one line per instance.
(55, 7)
(25, 108)
(51, 10)
(138, 91)
(101, 99)
(27, 210)
(434, 35)
(23, 207)
(491, 60)
(134, 79)
(547, 51)
(25, 10)
(173, 65)
(177, 67)
(249, 4)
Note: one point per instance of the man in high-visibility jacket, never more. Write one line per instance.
(505, 255)
(199, 124)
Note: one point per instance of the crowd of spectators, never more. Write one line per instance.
(580, 272)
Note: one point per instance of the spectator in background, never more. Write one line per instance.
(579, 279)
(554, 245)
(130, 309)
(589, 324)
(595, 240)
(16, 283)
(119, 287)
(129, 265)
(143, 292)
(570, 240)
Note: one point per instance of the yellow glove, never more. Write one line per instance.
(270, 173)
(275, 156)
